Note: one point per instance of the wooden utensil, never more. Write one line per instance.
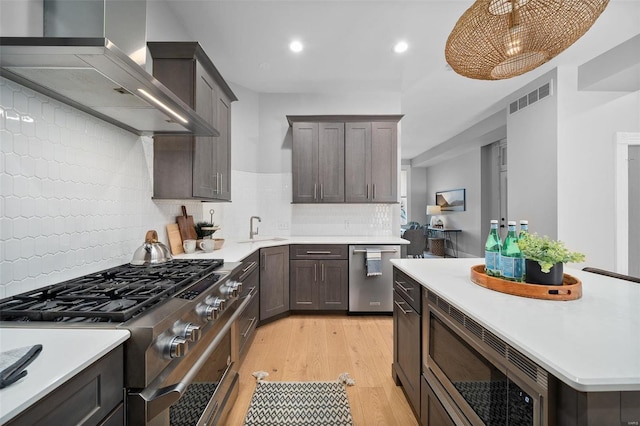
(186, 225)
(175, 239)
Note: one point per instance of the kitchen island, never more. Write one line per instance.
(591, 345)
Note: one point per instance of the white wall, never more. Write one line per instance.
(261, 169)
(162, 24)
(460, 172)
(75, 193)
(532, 160)
(561, 164)
(21, 18)
(587, 123)
(275, 135)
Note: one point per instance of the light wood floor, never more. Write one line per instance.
(310, 347)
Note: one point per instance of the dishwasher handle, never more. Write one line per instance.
(381, 251)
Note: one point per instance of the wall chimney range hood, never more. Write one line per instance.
(88, 71)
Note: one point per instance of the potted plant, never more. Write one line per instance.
(545, 258)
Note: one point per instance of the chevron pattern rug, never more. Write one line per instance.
(299, 403)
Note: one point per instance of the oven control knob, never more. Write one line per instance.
(233, 288)
(212, 309)
(191, 332)
(177, 347)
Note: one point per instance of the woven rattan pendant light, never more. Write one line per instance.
(498, 39)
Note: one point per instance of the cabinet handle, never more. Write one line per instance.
(315, 191)
(398, 304)
(374, 191)
(245, 273)
(220, 180)
(321, 191)
(246, 332)
(315, 272)
(403, 288)
(249, 267)
(318, 252)
(367, 191)
(322, 272)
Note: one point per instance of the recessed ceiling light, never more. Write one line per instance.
(296, 46)
(400, 47)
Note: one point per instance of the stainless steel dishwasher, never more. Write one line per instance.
(375, 293)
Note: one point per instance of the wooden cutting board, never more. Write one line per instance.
(186, 225)
(175, 240)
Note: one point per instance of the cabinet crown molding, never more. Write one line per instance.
(342, 118)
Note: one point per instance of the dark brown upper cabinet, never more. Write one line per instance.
(345, 158)
(188, 167)
(318, 162)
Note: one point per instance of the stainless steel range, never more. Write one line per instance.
(178, 366)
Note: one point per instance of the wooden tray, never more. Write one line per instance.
(571, 288)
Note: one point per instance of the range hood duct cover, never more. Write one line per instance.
(78, 63)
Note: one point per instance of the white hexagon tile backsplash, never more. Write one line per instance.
(75, 194)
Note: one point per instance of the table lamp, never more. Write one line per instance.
(433, 211)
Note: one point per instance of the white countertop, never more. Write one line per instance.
(65, 353)
(236, 250)
(592, 343)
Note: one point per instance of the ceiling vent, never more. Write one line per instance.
(526, 100)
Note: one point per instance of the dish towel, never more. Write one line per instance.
(373, 261)
(13, 363)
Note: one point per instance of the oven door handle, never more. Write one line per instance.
(158, 400)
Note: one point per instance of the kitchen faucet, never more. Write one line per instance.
(251, 232)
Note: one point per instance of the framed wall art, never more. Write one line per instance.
(452, 200)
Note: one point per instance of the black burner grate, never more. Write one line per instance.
(113, 295)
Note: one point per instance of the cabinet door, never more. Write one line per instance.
(222, 148)
(384, 159)
(331, 162)
(357, 155)
(274, 281)
(204, 182)
(305, 162)
(406, 362)
(333, 285)
(303, 284)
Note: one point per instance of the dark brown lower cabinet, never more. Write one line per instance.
(432, 413)
(319, 284)
(274, 281)
(92, 397)
(407, 350)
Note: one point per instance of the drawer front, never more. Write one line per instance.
(247, 324)
(408, 288)
(319, 251)
(249, 274)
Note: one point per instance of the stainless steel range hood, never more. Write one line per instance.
(92, 73)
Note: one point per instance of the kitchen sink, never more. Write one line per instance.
(260, 240)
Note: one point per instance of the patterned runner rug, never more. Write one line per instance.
(300, 403)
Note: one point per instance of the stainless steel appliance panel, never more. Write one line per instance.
(371, 294)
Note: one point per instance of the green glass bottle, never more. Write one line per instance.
(524, 229)
(511, 256)
(492, 251)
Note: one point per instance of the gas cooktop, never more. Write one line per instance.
(113, 295)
